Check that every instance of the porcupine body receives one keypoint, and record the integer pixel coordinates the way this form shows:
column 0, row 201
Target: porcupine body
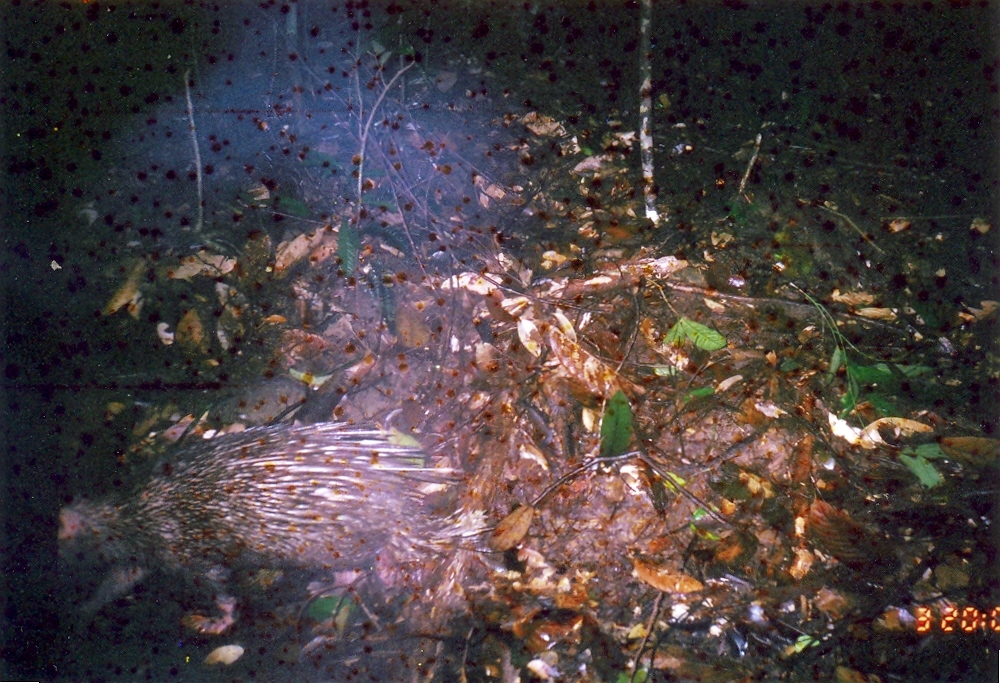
column 324, row 497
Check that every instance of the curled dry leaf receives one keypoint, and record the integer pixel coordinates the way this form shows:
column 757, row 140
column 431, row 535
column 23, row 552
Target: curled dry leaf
column 226, row 654
column 802, row 563
column 542, row 126
column 128, row 294
column 853, row 298
column 980, row 225
column 528, row 333
column 290, row 252
column 512, row 529
column 202, row 263
column 663, row 579
column 901, row 425
column 190, row 332
column 886, row 314
column 984, row 311
column 972, row 450
column 598, row 377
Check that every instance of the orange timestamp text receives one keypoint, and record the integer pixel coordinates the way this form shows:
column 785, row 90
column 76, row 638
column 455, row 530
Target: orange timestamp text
column 956, row 619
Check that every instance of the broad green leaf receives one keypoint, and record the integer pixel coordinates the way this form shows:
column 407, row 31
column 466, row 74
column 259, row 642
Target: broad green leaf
column 923, row 470
column 836, row 360
column 325, row 607
column 871, row 374
column 804, row 641
column 616, row 427
column 701, row 392
column 348, row 247
column 674, row 481
column 931, row 451
column 909, row 371
column 702, row 336
column 291, row 206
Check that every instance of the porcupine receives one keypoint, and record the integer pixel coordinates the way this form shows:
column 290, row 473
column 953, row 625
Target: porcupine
column 326, row 497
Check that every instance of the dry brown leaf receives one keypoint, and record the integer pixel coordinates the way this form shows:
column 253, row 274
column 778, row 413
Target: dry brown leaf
column 663, row 579
column 844, row 675
column 191, row 333
column 202, row 263
column 902, row 426
column 291, row 252
column 802, row 463
column 980, row 225
column 886, row 314
column 543, row 126
column 594, row 374
column 832, row 603
column 128, row 294
column 985, row 310
column 413, row 331
column 972, row 450
column 225, row 654
column 802, row 564
column 511, row 529
column 853, row 298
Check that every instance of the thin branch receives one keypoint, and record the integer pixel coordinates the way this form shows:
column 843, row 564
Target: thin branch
column 646, row 112
column 197, row 152
column 368, row 124
column 753, row 160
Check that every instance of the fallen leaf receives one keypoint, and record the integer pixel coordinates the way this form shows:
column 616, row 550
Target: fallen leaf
column 972, row 450
column 802, row 563
column 190, row 332
column 852, row 298
column 128, row 294
column 201, row 263
column 663, row 579
column 511, row 529
column 886, row 314
column 226, row 654
column 980, row 225
column 597, row 377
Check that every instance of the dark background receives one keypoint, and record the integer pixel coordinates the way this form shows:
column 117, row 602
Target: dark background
column 94, row 118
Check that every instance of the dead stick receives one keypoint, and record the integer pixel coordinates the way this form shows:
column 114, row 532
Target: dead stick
column 753, row 160
column 646, row 112
column 197, row 152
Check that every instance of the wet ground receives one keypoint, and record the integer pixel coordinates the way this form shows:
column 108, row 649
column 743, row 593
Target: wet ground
column 753, row 440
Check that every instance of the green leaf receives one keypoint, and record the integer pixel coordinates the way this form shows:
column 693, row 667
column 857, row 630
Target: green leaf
column 923, row 470
column 931, row 451
column 836, row 360
column 673, row 481
column 701, row 392
column 348, row 247
column 871, row 374
column 291, row 206
column 702, row 336
column 665, row 371
column 909, row 371
column 850, row 399
column 804, row 641
column 323, row 608
column 616, row 426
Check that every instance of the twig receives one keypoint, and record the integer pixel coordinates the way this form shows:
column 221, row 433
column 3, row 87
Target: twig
column 197, row 152
column 753, row 160
column 368, row 125
column 645, row 638
column 856, row 229
column 646, row 112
